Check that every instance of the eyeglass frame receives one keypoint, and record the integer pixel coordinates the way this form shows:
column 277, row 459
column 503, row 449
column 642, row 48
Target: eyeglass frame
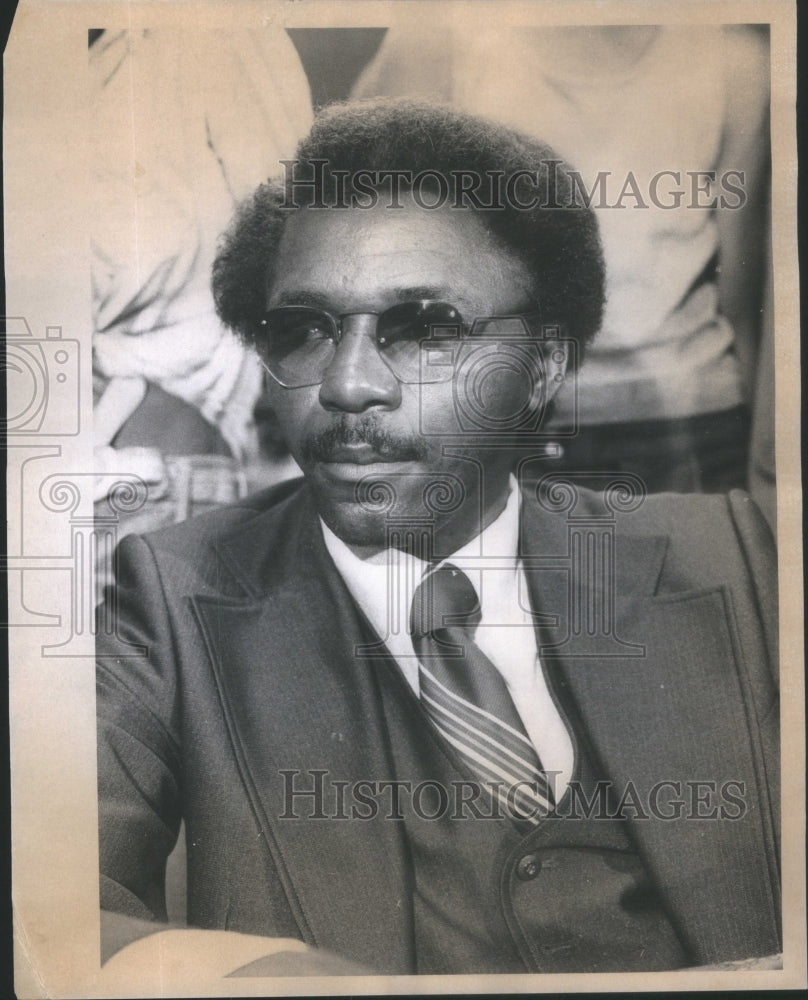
column 336, row 322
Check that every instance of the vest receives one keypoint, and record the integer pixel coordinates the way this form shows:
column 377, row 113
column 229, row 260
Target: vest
column 572, row 895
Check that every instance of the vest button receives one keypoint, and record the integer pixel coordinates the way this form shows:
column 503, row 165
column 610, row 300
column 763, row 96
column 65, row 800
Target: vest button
column 528, row 867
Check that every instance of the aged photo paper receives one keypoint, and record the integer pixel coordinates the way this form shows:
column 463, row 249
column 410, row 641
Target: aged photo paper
column 487, row 701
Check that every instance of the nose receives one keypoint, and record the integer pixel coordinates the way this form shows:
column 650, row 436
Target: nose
column 358, row 378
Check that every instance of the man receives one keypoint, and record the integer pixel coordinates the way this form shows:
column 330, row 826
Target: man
column 432, row 709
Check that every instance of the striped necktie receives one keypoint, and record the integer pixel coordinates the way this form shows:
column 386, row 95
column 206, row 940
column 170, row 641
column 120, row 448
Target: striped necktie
column 466, row 698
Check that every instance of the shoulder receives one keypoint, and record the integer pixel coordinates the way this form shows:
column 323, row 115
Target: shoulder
column 626, row 503
column 711, row 538
column 256, row 528
column 684, row 514
column 717, row 540
column 721, row 526
column 214, row 525
column 708, row 521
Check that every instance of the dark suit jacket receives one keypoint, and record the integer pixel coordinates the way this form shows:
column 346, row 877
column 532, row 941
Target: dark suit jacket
column 248, row 634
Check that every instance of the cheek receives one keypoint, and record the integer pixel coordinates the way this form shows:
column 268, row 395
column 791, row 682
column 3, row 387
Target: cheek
column 496, row 382
column 434, row 413
column 292, row 408
column 493, row 390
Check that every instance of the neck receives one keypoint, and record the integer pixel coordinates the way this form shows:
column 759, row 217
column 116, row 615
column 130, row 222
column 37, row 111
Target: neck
column 453, row 534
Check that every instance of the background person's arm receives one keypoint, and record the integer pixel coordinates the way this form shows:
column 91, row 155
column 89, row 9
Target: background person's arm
column 744, row 284
column 743, row 230
column 168, row 961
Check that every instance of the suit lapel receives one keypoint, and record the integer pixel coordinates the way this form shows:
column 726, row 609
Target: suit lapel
column 304, row 713
column 660, row 699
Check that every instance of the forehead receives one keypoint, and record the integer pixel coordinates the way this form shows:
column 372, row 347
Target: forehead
column 366, row 258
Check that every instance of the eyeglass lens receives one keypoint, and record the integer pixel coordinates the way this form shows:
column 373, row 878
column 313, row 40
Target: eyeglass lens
column 298, row 343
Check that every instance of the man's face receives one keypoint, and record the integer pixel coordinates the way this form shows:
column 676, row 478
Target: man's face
column 362, row 423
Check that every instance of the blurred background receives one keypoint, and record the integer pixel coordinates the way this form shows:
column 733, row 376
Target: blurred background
column 678, row 387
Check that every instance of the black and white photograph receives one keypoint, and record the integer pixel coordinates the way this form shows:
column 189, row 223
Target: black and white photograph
column 405, row 517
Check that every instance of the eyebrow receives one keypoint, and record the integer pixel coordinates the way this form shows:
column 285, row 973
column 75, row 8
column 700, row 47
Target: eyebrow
column 419, row 292
column 303, row 297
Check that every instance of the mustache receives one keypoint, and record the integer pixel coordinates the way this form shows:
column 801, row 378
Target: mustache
column 347, row 430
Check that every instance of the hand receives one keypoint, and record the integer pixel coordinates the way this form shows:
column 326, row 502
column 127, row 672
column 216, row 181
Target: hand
column 311, row 962
column 188, row 962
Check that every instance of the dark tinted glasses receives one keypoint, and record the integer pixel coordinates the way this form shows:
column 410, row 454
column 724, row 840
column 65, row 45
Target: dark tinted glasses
column 297, row 343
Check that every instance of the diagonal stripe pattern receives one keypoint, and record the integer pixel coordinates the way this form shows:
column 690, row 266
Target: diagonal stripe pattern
column 466, row 698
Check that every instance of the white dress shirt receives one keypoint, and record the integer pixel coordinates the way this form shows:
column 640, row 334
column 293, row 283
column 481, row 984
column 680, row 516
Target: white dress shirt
column 383, row 586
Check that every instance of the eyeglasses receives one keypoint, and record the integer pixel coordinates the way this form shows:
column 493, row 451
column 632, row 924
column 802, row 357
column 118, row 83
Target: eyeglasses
column 297, row 344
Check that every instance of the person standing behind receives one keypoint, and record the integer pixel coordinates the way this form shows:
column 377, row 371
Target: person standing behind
column 667, row 387
column 184, row 124
column 170, row 113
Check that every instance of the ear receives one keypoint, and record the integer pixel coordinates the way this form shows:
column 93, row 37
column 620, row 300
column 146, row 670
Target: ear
column 555, row 357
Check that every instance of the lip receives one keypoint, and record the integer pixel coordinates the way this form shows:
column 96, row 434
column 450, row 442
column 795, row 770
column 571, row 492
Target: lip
column 367, row 465
column 358, row 454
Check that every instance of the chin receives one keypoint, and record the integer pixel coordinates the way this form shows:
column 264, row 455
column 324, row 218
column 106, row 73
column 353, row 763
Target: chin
column 361, row 529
